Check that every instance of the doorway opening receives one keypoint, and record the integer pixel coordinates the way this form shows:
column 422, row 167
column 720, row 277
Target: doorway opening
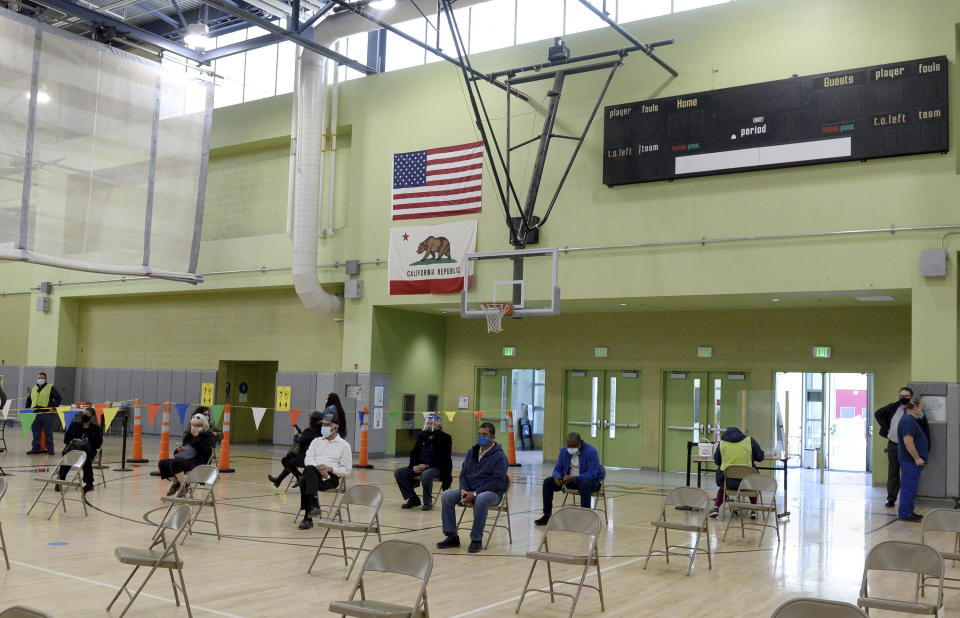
column 603, row 406
column 245, row 385
column 521, row 390
column 830, row 425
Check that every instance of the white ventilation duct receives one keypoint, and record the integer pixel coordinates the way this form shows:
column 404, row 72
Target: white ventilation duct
column 310, row 103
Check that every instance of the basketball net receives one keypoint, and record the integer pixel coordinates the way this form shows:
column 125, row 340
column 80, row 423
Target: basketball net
column 494, row 313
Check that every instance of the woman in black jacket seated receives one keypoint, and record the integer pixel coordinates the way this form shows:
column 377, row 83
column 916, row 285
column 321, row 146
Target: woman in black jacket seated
column 83, row 434
column 293, row 460
column 196, row 450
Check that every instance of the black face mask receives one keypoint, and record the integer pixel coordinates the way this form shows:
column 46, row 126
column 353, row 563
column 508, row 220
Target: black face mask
column 904, row 401
column 86, row 418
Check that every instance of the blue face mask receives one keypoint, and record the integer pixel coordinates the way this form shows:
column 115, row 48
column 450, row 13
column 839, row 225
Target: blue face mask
column 325, row 431
column 922, row 414
column 484, row 440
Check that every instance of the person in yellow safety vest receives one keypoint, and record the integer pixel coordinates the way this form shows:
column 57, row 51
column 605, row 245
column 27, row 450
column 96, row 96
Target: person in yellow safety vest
column 43, row 398
column 735, row 449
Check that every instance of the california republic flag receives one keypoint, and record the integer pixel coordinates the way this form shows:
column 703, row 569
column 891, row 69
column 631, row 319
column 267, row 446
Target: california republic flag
column 429, row 259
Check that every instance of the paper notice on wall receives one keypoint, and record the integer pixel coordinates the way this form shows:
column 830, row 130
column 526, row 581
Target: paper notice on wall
column 378, row 396
column 378, row 418
column 935, row 407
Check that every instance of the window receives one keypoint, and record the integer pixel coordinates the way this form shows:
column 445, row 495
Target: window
column 633, row 11
column 536, row 24
column 260, row 73
column 492, row 25
column 579, row 18
column 433, row 403
column 402, row 53
column 446, row 45
column 286, row 66
column 689, row 5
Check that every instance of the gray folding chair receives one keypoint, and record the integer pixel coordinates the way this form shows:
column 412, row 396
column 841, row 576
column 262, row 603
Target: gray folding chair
column 697, row 501
column 730, row 496
column 337, row 493
column 502, row 507
column 573, row 520
column 756, row 485
column 903, row 557
column 98, row 465
column 948, row 521
column 22, row 611
column 438, row 488
column 3, row 543
column 369, row 497
column 599, row 496
column 74, row 480
column 400, row 557
column 821, row 608
column 166, row 557
column 201, row 492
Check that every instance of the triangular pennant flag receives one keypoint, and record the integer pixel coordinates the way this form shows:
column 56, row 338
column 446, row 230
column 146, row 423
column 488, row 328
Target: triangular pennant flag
column 182, row 411
column 449, row 414
column 258, row 415
column 108, row 416
column 478, row 414
column 26, row 422
column 294, row 416
column 361, row 414
column 217, row 412
column 60, row 411
column 68, row 416
column 152, row 410
column 99, row 409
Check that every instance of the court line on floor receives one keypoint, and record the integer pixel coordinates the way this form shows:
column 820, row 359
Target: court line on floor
column 112, row 587
column 517, row 598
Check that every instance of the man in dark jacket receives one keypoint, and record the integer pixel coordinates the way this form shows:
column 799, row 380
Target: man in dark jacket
column 889, row 417
column 83, row 434
column 578, row 467
column 483, row 481
column 43, row 398
column 735, row 448
column 293, row 460
column 430, row 458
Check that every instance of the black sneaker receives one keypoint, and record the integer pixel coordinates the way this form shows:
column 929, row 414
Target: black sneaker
column 56, row 488
column 890, row 504
column 475, row 546
column 412, row 502
column 753, row 514
column 450, row 541
column 714, row 512
column 274, row 480
column 315, row 512
column 915, row 517
column 36, row 452
column 542, row 521
column 306, row 524
column 426, row 507
column 87, row 489
column 296, row 483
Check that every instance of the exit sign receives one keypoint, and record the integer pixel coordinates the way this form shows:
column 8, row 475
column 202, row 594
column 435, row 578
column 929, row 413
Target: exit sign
column 509, row 350
column 821, row 351
column 704, row 352
column 600, row 352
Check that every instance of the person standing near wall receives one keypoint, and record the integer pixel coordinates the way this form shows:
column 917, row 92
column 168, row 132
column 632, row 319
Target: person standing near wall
column 42, row 398
column 889, row 417
column 914, row 447
column 334, row 400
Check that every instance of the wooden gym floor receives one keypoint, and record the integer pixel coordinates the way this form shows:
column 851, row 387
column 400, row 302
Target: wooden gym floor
column 66, row 566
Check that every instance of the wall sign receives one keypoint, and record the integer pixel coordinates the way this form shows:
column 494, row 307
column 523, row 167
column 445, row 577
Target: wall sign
column 283, row 398
column 463, row 402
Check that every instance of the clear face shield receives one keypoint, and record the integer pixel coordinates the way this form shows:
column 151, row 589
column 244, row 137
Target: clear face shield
column 431, row 423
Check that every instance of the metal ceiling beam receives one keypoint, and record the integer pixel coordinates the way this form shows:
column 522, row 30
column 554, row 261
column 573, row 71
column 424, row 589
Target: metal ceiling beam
column 647, row 49
column 297, row 38
column 242, row 46
column 96, row 18
column 313, row 18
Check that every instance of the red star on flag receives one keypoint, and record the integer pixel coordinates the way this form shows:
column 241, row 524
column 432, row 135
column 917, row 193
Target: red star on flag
column 406, row 236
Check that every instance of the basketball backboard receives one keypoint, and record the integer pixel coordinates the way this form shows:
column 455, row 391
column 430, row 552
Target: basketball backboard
column 526, row 278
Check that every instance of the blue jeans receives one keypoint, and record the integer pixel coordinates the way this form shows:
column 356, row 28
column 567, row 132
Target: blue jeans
column 483, row 502
column 586, row 489
column 404, row 478
column 909, row 479
column 43, row 422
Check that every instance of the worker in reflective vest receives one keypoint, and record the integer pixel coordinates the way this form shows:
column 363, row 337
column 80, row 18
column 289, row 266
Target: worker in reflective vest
column 735, row 449
column 43, row 398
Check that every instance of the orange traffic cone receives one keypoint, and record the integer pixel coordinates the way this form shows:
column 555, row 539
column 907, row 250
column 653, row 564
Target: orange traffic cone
column 164, row 436
column 363, row 442
column 137, row 435
column 511, row 444
column 225, row 445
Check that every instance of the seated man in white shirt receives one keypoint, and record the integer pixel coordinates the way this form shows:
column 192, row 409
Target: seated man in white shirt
column 328, row 459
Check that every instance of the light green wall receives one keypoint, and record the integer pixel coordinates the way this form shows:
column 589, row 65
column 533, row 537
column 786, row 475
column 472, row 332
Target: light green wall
column 15, row 312
column 410, row 347
column 761, row 342
column 196, row 331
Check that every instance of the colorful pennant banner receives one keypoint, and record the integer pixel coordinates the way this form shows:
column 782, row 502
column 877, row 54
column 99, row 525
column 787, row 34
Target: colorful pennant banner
column 69, row 415
column 108, row 415
column 217, row 412
column 294, row 416
column 449, row 414
column 182, row 411
column 152, row 410
column 99, row 409
column 60, row 411
column 26, row 422
column 258, row 415
column 478, row 414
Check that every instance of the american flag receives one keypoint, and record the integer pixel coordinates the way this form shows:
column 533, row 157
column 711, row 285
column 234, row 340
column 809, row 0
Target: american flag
column 438, row 182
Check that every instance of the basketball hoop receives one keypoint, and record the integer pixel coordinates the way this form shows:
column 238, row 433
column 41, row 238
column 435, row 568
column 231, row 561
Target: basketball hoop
column 494, row 312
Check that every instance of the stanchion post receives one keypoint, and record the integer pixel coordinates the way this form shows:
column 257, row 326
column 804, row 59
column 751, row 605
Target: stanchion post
column 137, row 455
column 511, row 443
column 225, row 445
column 164, row 436
column 123, row 446
column 363, row 442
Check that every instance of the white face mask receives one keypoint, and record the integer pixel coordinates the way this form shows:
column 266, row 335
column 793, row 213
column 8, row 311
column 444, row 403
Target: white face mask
column 573, row 451
column 326, row 430
column 41, row 381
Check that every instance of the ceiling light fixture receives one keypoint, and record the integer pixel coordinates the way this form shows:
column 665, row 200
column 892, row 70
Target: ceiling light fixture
column 42, row 97
column 774, row 300
column 197, row 37
column 382, row 5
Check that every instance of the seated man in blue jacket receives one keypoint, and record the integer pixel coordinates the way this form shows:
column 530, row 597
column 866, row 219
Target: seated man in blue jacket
column 483, row 481
column 578, row 467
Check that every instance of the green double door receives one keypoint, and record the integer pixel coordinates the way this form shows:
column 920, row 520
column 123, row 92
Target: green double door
column 603, row 406
column 695, row 402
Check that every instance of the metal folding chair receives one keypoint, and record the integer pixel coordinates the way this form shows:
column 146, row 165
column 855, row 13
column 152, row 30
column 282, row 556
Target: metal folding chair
column 697, row 501
column 756, row 485
column 821, row 608
column 947, row 521
column 439, row 488
column 502, row 507
column 903, row 557
column 22, row 611
column 3, row 425
column 3, row 542
column 98, row 465
column 735, row 472
column 74, row 480
column 201, row 492
column 166, row 557
column 575, row 520
column 400, row 557
column 366, row 496
column 339, row 491
column 599, row 496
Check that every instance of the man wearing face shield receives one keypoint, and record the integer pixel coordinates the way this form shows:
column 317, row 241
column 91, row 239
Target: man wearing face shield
column 328, row 459
column 430, row 458
column 578, row 467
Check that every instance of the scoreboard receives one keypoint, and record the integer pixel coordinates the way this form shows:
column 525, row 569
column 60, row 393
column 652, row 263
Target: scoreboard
column 880, row 111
